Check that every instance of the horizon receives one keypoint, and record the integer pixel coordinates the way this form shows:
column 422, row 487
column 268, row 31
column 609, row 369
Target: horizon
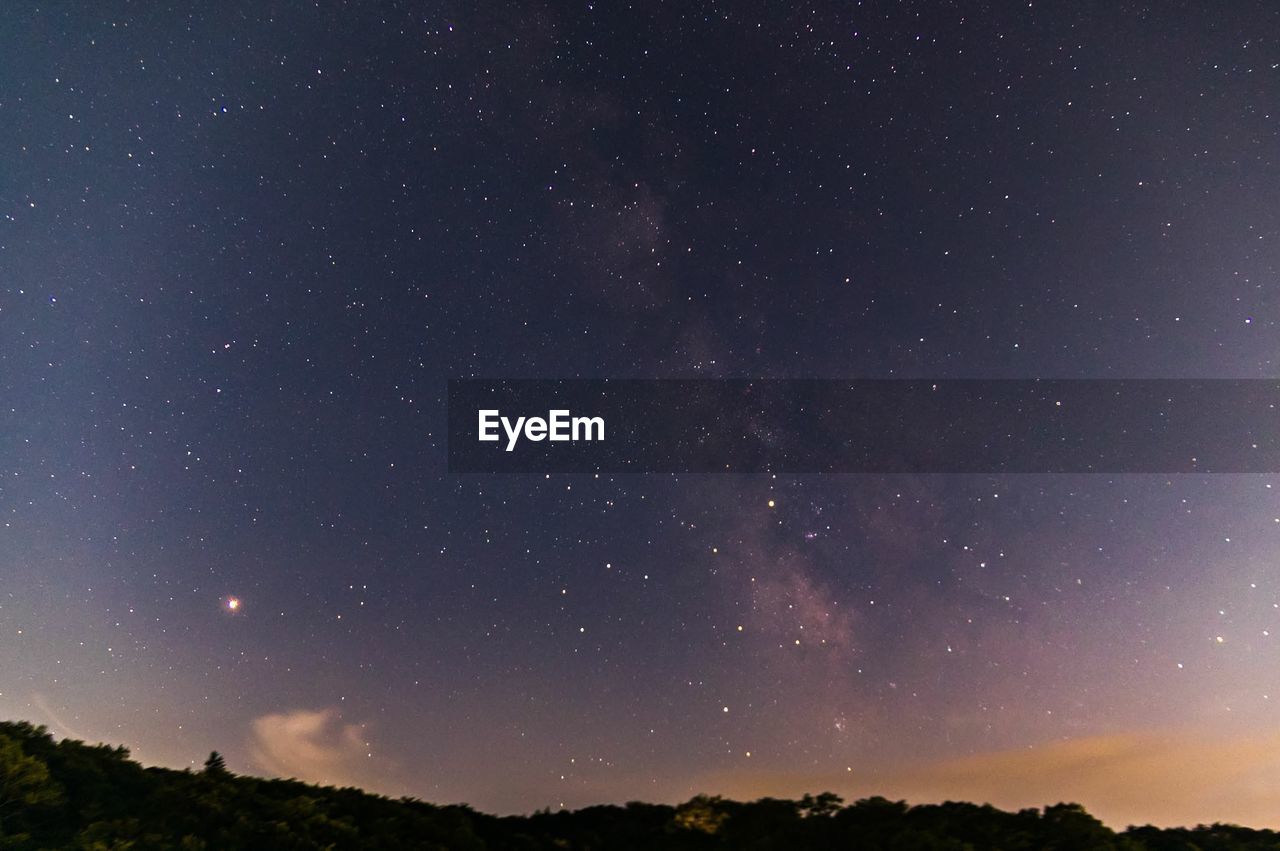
column 1157, row 799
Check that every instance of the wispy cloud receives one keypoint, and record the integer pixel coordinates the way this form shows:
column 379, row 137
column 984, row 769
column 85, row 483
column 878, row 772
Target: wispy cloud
column 314, row 745
column 54, row 720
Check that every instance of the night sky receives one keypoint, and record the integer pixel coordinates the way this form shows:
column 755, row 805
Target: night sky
column 243, row 249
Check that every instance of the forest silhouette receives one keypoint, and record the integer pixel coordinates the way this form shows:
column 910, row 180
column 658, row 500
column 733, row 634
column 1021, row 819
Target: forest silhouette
column 68, row 794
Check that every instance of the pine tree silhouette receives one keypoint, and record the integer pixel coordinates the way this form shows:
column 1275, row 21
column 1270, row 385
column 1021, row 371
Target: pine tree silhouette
column 215, row 764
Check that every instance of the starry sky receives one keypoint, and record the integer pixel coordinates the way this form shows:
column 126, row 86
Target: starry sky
column 244, row 248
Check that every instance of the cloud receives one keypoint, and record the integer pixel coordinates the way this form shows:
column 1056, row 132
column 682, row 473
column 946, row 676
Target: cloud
column 65, row 730
column 1129, row 778
column 311, row 745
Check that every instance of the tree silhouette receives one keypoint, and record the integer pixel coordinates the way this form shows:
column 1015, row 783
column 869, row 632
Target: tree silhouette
column 215, row 764
column 25, row 783
column 703, row 814
column 67, row 794
column 825, row 804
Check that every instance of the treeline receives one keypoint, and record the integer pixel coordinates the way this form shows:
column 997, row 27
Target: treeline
column 67, row 794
